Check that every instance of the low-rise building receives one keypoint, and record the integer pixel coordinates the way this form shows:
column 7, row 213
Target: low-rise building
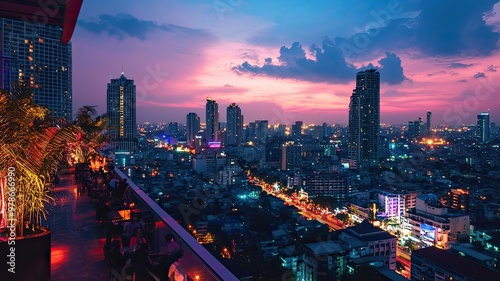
column 432, row 263
column 365, row 239
column 434, row 224
column 322, row 261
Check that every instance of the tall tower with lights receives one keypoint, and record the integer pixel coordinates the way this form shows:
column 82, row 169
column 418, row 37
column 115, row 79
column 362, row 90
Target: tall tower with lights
column 122, row 118
column 234, row 129
column 212, row 120
column 364, row 119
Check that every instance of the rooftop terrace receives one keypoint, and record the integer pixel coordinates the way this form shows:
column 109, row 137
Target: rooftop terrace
column 78, row 238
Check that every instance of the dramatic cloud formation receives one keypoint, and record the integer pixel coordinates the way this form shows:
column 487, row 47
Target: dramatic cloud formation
column 440, row 28
column 126, row 25
column 326, row 65
column 428, row 53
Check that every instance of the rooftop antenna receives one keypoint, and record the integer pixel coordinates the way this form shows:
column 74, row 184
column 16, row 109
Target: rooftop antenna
column 122, row 69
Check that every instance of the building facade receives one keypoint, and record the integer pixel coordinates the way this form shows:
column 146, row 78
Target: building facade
column 297, row 130
column 434, row 264
column 392, row 204
column 192, row 128
column 364, row 119
column 428, row 128
column 365, row 240
column 327, row 184
column 483, row 127
column 322, row 261
column 234, row 128
column 291, row 156
column 121, row 114
column 212, row 121
column 458, row 199
column 434, row 224
column 38, row 54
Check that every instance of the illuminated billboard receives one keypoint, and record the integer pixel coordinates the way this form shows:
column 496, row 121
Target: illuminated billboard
column 214, row 144
column 427, row 233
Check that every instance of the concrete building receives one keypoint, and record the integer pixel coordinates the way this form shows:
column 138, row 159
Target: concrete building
column 212, row 121
column 35, row 50
column 326, row 184
column 192, row 128
column 322, row 261
column 122, row 119
column 208, row 163
column 291, row 156
column 365, row 239
column 364, row 119
column 234, row 128
column 458, row 199
column 434, row 264
column 392, row 204
column 434, row 224
column 483, row 127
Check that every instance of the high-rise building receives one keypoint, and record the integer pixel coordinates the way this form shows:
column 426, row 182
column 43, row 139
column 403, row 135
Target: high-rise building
column 250, row 131
column 234, row 127
column 428, row 129
column 173, row 129
column 364, row 119
column 262, row 131
column 297, row 130
column 192, row 127
column 291, row 155
column 35, row 51
column 414, row 128
column 212, row 120
column 483, row 127
column 121, row 113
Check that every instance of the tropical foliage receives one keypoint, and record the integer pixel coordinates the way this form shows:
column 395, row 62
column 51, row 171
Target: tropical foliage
column 92, row 138
column 31, row 145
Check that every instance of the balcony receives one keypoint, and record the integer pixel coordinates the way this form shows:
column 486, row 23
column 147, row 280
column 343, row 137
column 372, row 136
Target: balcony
column 198, row 263
column 78, row 238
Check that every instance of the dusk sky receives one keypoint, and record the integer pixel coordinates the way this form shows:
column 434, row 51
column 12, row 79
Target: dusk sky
column 291, row 60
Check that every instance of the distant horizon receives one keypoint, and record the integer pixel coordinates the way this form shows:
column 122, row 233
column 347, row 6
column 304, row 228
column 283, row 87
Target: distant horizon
column 296, row 67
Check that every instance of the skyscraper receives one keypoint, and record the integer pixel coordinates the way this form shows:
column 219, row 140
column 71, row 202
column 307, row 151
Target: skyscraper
column 297, row 130
column 262, row 131
column 121, row 113
column 428, row 124
column 35, row 50
column 212, row 120
column 483, row 127
column 364, row 119
column 192, row 127
column 234, row 126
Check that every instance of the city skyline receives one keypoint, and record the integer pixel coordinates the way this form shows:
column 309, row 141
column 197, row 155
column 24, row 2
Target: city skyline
column 296, row 68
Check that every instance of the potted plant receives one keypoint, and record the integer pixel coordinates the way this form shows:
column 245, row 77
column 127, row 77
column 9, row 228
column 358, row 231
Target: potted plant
column 32, row 145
